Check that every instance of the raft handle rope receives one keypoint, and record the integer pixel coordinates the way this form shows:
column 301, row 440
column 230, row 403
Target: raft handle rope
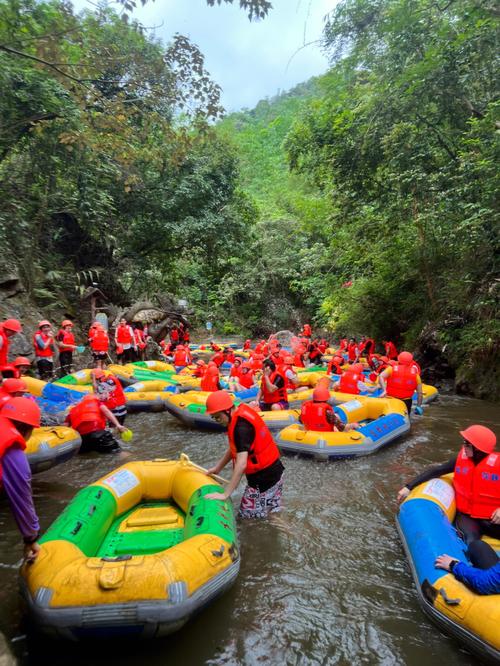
column 118, row 558
column 218, row 553
column 448, row 601
column 185, row 458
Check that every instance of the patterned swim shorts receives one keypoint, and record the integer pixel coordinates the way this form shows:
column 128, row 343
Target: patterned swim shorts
column 257, row 504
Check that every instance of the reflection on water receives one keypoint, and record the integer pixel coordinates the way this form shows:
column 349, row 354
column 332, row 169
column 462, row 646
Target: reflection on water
column 324, row 582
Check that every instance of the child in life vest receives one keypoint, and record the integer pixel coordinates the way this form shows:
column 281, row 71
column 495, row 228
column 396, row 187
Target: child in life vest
column 318, row 415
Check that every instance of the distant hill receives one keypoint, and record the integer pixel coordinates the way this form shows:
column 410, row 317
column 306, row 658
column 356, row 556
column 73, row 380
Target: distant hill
column 259, row 134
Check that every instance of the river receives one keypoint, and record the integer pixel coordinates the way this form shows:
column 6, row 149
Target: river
column 324, row 582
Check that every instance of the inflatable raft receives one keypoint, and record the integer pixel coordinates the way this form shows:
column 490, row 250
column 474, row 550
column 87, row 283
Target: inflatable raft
column 48, row 447
column 425, row 525
column 137, row 553
column 146, row 401
column 382, row 421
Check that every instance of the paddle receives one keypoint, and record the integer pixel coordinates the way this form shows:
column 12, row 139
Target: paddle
column 185, row 458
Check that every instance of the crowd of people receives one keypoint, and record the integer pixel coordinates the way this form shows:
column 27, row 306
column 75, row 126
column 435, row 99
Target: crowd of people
column 271, row 370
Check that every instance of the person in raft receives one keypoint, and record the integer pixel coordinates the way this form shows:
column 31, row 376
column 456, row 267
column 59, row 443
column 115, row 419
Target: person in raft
column 352, row 381
column 402, row 380
column 18, row 417
column 253, row 452
column 483, row 576
column 272, row 393
column 318, row 415
column 476, row 481
column 89, row 418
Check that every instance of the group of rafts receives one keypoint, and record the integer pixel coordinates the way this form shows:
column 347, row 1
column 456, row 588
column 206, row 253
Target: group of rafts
column 144, row 551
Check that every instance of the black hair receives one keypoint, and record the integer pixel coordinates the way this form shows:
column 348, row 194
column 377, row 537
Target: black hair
column 269, row 364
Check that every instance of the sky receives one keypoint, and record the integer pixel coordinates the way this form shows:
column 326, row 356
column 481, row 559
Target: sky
column 249, row 60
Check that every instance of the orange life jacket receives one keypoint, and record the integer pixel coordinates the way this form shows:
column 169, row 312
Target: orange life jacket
column 351, row 351
column 181, row 357
column 477, row 487
column 314, row 416
column 335, row 368
column 124, row 334
column 9, row 436
column 210, row 381
column 402, row 382
column 270, row 397
column 42, row 353
column 349, row 382
column 99, row 342
column 263, row 450
column 65, row 338
column 4, row 351
column 117, row 396
column 86, row 416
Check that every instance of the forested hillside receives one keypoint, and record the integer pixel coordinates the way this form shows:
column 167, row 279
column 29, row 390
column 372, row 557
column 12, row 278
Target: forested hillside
column 400, row 139
column 364, row 200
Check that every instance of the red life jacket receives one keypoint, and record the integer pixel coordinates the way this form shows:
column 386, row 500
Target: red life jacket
column 5, row 396
column 343, row 344
column 246, row 379
column 210, row 381
column 349, row 382
column 139, row 338
column 4, row 351
column 246, row 345
column 199, row 371
column 270, row 397
column 256, row 361
column 187, row 335
column 263, row 450
column 43, row 353
column 65, row 338
column 298, row 361
column 181, row 357
column 99, row 342
column 322, row 346
column 235, row 371
column 402, row 382
column 351, row 351
column 334, row 367
column 218, row 358
column 86, row 416
column 390, row 350
column 174, row 335
column 9, row 436
column 306, row 330
column 230, row 356
column 314, row 416
column 477, row 487
column 124, row 334
column 117, row 396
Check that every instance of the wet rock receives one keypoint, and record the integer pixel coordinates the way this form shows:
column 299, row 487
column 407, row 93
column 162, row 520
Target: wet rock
column 6, row 657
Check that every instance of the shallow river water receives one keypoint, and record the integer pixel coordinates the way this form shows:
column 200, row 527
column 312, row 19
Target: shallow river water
column 324, row 582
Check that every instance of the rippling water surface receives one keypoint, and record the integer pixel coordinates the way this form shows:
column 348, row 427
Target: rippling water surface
column 324, row 582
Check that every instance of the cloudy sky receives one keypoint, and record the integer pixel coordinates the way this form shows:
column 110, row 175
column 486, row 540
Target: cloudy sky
column 250, row 60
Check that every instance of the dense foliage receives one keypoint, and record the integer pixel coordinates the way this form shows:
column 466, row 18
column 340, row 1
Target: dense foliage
column 109, row 169
column 363, row 199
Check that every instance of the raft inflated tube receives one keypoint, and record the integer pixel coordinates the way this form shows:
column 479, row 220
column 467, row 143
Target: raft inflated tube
column 151, row 385
column 143, row 549
column 382, row 421
column 190, row 409
column 52, row 446
column 146, row 401
column 425, row 525
column 156, row 366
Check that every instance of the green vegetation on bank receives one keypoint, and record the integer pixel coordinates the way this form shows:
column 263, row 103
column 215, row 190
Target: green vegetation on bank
column 363, row 199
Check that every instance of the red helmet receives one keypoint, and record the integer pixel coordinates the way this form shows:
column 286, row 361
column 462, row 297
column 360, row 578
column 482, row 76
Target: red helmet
column 98, row 373
column 321, row 394
column 66, row 322
column 44, row 322
column 12, row 325
column 219, row 401
column 23, row 410
column 405, row 358
column 21, row 360
column 12, row 385
column 357, row 368
column 288, row 360
column 479, row 436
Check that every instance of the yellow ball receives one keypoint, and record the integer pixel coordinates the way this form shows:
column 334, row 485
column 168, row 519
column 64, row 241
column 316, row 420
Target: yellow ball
column 127, row 435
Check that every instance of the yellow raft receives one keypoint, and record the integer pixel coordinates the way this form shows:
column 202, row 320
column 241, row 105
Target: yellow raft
column 425, row 524
column 137, row 553
column 382, row 420
column 48, row 447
